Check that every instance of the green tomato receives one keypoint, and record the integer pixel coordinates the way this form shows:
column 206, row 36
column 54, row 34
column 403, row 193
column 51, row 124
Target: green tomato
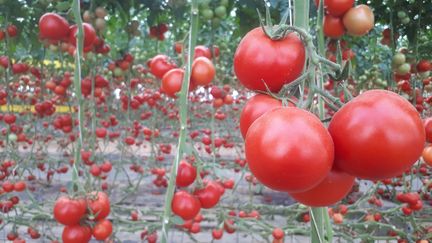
column 204, row 3
column 224, row 3
column 398, row 59
column 207, row 14
column 403, row 69
column 424, row 75
column 405, row 20
column 12, row 137
column 118, row 72
column 220, row 11
column 401, row 14
column 216, row 22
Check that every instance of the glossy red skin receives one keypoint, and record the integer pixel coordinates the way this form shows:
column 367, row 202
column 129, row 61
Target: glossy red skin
column 102, row 229
column 333, row 27
column 53, row 26
column 76, row 234
column 185, row 205
column 186, row 174
column 172, row 82
column 259, row 58
column 203, row 71
column 255, row 108
column 288, row 149
column 377, row 135
column 160, row 65
column 331, row 190
column 89, row 35
column 428, row 129
column 69, row 211
column 337, row 8
column 209, row 195
column 100, row 206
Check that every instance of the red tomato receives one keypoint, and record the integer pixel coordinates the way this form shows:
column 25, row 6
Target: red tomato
column 76, row 234
column 186, row 174
column 259, row 58
column 102, row 229
column 292, row 133
column 185, row 205
column 20, row 186
column 12, row 30
column 389, row 135
column 331, row 190
column 359, row 20
column 337, row 8
column 209, row 195
column 426, row 154
column 424, row 66
column 203, row 71
column 333, row 27
column 99, row 204
column 89, row 34
column 53, row 26
column 255, row 108
column 217, row 234
column 172, row 82
column 202, row 51
column 160, row 65
column 278, row 233
column 428, row 129
column 69, row 211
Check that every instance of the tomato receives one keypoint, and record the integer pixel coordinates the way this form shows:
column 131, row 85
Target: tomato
column 426, row 154
column 209, row 195
column 255, row 108
column 331, row 190
column 333, row 27
column 185, row 205
column 217, row 234
column 424, row 66
column 20, row 186
column 337, row 8
column 53, row 26
column 102, row 229
column 172, row 82
column 359, row 20
column 12, row 30
column 99, row 204
column 2, row 35
column 203, row 71
column 428, row 129
column 89, row 34
column 76, row 234
column 292, row 133
column 278, row 233
column 186, row 174
column 202, row 51
column 259, row 58
column 69, row 211
column 389, row 135
column 160, row 65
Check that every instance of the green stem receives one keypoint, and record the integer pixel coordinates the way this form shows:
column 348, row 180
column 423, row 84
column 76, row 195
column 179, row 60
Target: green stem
column 183, row 102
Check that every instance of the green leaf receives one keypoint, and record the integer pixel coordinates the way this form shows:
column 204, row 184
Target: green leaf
column 177, row 220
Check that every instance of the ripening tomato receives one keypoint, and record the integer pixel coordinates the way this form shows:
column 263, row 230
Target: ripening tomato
column 160, row 65
column 203, row 71
column 172, row 82
column 102, row 229
column 69, row 211
column 89, row 34
column 428, row 129
column 289, row 149
column 76, row 234
column 331, row 190
column 259, row 59
column 359, row 20
column 427, row 155
column 337, row 8
column 53, row 26
column 333, row 27
column 255, row 108
column 186, row 174
column 185, row 205
column 389, row 135
column 99, row 204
